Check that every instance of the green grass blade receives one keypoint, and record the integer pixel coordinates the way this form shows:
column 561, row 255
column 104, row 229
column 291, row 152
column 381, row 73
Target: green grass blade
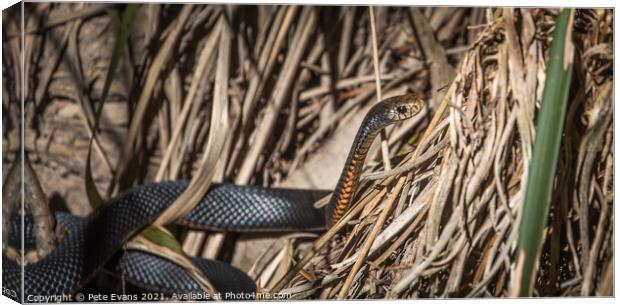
column 159, row 237
column 94, row 197
column 545, row 153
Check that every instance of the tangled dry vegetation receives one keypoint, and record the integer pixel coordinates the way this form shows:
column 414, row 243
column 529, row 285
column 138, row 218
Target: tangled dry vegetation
column 452, row 222
column 293, row 83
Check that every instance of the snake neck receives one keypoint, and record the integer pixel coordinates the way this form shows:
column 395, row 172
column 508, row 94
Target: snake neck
column 349, row 178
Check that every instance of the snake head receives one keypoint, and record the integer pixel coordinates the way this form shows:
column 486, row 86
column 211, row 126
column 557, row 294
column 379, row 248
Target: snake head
column 399, row 108
column 390, row 111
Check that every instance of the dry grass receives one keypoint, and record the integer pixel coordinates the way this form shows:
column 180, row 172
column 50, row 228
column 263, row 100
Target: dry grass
column 442, row 223
column 455, row 233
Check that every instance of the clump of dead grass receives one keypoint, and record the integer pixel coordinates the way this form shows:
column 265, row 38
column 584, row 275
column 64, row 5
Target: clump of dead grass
column 452, row 220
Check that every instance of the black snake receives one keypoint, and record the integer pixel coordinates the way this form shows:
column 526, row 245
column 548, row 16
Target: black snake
column 88, row 244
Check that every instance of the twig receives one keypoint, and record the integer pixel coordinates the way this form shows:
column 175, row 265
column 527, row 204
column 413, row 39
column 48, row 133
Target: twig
column 385, row 150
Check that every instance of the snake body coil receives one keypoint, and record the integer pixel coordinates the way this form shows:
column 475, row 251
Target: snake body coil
column 88, row 244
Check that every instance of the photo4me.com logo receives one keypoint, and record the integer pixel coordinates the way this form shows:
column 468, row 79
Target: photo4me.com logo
column 264, row 295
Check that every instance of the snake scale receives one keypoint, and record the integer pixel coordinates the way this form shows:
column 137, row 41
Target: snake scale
column 90, row 243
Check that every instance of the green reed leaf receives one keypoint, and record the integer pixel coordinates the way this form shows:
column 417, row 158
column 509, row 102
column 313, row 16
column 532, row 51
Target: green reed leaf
column 545, row 153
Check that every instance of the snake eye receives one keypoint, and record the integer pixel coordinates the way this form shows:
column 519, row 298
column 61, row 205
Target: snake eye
column 401, row 109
